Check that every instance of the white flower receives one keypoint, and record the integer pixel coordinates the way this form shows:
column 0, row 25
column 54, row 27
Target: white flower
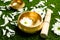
column 4, row 31
column 26, row 21
column 10, row 30
column 56, row 28
column 10, row 19
column 8, row 33
column 30, row 0
column 3, row 17
column 5, row 1
column 13, row 14
column 2, row 8
column 57, row 19
column 52, row 5
column 59, row 12
column 46, row 0
column 13, row 23
column 41, row 3
column 25, row 8
column 39, row 11
column 6, row 21
column 21, row 10
column 8, row 7
column 0, row 13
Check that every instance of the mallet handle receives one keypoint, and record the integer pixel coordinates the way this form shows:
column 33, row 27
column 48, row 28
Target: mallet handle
column 44, row 31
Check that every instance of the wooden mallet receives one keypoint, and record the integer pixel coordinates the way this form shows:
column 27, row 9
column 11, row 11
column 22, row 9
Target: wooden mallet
column 45, row 28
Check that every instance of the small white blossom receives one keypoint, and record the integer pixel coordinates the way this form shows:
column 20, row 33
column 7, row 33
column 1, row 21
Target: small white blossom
column 8, row 7
column 5, row 1
column 30, row 0
column 59, row 12
column 6, row 21
column 10, row 34
column 14, row 23
column 10, row 30
column 56, row 28
column 0, row 13
column 52, row 5
column 2, row 8
column 3, row 16
column 4, row 31
column 44, row 7
column 25, row 8
column 57, row 19
column 13, row 14
column 39, row 11
column 10, row 19
column 41, row 3
column 46, row 0
column 31, row 7
column 26, row 21
column 21, row 10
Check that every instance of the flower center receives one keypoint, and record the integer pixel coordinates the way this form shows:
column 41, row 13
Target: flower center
column 58, row 28
column 25, row 22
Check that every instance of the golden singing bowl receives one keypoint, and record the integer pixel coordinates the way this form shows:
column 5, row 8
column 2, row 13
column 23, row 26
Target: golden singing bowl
column 17, row 4
column 37, row 22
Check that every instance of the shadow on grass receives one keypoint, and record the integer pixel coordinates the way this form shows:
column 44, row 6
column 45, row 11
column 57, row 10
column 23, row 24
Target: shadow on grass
column 24, row 35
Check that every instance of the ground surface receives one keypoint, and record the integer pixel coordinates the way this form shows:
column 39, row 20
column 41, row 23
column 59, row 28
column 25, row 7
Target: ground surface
column 23, row 36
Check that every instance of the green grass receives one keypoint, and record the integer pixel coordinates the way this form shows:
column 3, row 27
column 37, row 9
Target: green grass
column 24, row 36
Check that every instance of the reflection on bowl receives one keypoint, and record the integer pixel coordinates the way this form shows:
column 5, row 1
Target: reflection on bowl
column 33, row 23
